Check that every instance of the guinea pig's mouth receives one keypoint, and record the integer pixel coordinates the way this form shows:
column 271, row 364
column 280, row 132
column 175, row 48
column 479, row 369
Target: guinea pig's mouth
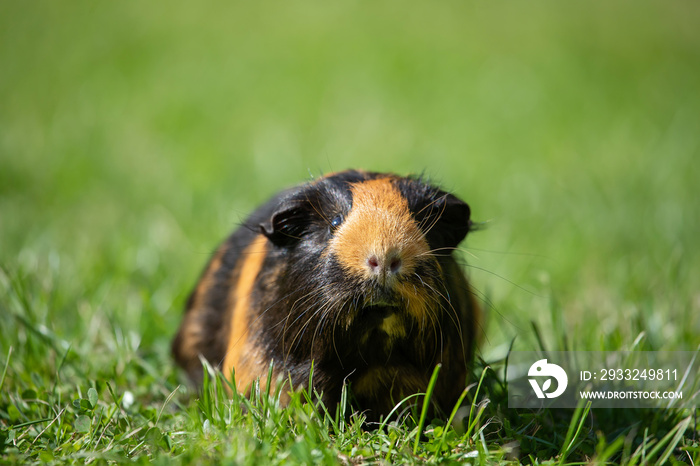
column 378, row 311
column 373, row 315
column 379, row 321
column 377, row 306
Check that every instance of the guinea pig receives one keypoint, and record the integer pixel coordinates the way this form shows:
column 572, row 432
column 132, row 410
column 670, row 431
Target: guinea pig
column 352, row 273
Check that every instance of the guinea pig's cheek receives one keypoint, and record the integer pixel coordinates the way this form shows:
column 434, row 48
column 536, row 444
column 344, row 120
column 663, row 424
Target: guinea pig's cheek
column 417, row 300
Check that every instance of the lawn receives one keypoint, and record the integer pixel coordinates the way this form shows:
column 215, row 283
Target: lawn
column 134, row 137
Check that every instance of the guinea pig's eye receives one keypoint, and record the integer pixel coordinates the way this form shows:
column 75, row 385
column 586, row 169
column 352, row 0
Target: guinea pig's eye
column 336, row 221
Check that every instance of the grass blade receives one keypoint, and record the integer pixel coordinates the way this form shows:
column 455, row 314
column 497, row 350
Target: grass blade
column 426, row 404
column 672, row 438
column 576, row 423
column 7, row 364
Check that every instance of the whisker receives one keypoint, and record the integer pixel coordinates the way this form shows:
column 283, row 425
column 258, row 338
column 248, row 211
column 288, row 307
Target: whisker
column 301, row 331
column 502, row 278
column 252, row 324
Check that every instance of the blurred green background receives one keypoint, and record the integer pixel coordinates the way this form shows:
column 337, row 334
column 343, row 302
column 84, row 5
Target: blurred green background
column 135, row 136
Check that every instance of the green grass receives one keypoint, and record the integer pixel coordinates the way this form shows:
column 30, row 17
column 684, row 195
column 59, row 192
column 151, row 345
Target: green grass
column 134, row 137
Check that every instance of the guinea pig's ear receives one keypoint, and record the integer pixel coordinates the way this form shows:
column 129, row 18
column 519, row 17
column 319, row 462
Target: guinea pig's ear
column 453, row 224
column 287, row 224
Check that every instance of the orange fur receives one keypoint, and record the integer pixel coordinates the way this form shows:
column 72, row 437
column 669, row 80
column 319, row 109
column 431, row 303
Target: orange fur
column 380, row 223
column 191, row 331
column 242, row 355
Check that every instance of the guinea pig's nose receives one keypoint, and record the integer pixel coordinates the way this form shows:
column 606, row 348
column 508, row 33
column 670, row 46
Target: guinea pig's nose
column 384, row 265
